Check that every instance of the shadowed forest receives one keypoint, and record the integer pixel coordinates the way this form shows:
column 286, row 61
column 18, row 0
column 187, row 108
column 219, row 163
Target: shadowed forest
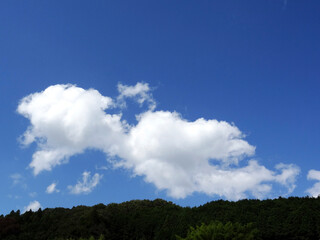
column 292, row 218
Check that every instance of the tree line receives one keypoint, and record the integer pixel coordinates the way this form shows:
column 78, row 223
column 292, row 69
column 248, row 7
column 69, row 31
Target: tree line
column 282, row 218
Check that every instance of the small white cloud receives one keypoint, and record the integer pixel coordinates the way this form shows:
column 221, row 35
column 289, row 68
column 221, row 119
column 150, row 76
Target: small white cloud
column 313, row 175
column 33, row 206
column 314, row 191
column 140, row 92
column 52, row 188
column 288, row 175
column 87, row 184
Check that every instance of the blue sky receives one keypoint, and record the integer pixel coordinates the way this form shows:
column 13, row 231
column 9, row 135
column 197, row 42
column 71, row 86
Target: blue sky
column 206, row 100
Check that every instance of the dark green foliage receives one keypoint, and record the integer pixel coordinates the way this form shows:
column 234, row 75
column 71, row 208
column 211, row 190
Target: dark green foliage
column 292, row 218
column 219, row 231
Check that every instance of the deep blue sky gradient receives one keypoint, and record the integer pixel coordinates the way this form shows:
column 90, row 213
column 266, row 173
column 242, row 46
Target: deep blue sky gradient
column 254, row 63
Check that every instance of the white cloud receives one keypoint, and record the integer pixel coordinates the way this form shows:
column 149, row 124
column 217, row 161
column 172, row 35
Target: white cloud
column 52, row 188
column 314, row 175
column 201, row 156
column 66, row 120
column 288, row 175
column 33, row 206
column 140, row 92
column 87, row 184
column 174, row 154
column 315, row 189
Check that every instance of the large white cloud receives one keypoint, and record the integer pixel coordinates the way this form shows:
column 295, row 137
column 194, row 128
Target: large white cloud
column 173, row 153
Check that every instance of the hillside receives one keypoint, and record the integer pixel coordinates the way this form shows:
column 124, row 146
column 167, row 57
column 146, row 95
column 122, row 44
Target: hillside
column 292, row 218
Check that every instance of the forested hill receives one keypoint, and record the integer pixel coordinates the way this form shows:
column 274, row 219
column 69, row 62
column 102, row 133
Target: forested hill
column 292, row 218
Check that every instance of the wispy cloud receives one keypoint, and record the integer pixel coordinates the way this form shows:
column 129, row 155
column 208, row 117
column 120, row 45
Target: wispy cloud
column 87, row 184
column 174, row 154
column 101, row 168
column 13, row 196
column 16, row 178
column 19, row 180
column 33, row 194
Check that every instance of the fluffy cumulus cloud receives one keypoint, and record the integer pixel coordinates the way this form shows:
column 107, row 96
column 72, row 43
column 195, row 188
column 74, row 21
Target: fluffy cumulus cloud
column 174, row 154
column 66, row 120
column 315, row 189
column 87, row 184
column 33, row 206
column 52, row 188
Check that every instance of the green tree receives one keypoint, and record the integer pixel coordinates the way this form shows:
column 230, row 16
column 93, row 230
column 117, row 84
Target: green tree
column 219, row 231
column 101, row 237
